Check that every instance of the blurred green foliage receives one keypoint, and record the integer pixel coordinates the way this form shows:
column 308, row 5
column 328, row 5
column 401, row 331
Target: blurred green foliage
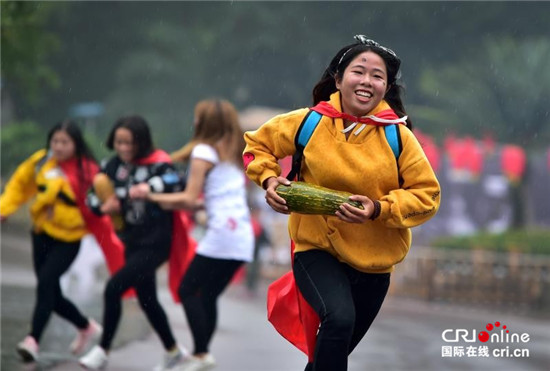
column 18, row 142
column 533, row 241
column 503, row 90
column 468, row 67
column 26, row 47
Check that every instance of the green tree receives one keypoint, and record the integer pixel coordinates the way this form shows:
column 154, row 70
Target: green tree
column 158, row 58
column 504, row 90
column 26, row 47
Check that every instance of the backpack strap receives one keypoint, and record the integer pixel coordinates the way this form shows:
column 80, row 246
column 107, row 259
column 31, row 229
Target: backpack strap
column 394, row 139
column 306, row 129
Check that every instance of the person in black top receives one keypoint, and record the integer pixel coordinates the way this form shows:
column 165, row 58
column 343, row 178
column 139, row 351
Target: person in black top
column 146, row 232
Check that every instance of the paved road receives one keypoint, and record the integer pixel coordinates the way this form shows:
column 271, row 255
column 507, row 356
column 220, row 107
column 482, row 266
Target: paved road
column 407, row 335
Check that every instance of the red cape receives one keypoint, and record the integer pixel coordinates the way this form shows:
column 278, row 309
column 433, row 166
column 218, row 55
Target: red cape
column 183, row 245
column 290, row 313
column 100, row 226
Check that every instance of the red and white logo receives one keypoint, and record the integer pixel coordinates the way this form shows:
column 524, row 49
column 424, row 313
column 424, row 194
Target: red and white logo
column 495, row 333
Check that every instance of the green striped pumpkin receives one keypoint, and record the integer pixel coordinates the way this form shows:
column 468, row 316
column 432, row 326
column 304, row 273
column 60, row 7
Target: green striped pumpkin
column 304, row 198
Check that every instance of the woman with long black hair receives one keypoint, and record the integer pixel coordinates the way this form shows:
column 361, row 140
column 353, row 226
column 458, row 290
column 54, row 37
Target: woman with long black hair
column 57, row 178
column 342, row 262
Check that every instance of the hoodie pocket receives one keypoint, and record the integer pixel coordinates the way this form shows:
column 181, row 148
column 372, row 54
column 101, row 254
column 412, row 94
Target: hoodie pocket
column 366, row 249
column 309, row 229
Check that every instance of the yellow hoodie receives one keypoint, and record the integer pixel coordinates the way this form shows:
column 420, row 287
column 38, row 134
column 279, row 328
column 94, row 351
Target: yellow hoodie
column 49, row 213
column 361, row 164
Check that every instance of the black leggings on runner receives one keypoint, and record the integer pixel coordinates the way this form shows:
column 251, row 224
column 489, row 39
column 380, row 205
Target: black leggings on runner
column 52, row 258
column 346, row 300
column 139, row 273
column 205, row 280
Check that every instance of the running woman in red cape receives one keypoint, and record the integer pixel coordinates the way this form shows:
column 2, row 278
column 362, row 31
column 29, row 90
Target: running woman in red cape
column 151, row 235
column 342, row 263
column 57, row 178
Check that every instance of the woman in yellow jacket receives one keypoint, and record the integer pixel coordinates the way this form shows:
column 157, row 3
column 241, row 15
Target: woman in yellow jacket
column 57, row 178
column 342, row 263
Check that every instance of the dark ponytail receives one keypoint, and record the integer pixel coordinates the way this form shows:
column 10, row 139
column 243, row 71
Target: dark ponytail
column 393, row 97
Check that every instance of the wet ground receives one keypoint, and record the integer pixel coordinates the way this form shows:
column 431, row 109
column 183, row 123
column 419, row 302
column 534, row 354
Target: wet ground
column 407, row 335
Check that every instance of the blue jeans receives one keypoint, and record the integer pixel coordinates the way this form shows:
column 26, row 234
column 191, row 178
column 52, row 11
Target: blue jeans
column 346, row 300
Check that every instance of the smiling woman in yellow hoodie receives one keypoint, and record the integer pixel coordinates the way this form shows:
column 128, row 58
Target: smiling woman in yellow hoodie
column 342, row 263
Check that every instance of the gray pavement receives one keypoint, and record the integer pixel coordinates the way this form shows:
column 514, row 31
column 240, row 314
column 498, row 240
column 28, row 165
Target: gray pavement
column 407, row 335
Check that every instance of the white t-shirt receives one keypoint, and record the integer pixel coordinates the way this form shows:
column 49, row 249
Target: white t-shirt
column 229, row 233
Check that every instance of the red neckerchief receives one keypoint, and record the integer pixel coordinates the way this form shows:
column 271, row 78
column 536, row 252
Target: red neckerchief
column 325, row 108
column 183, row 245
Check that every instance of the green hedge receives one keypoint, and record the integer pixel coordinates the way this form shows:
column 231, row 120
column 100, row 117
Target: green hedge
column 534, row 241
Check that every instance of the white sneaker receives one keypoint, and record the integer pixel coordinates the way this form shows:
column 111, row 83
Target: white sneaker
column 96, row 359
column 198, row 364
column 84, row 337
column 172, row 360
column 28, row 349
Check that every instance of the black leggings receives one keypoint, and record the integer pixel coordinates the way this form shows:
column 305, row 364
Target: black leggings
column 346, row 300
column 52, row 258
column 138, row 272
column 205, row 280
